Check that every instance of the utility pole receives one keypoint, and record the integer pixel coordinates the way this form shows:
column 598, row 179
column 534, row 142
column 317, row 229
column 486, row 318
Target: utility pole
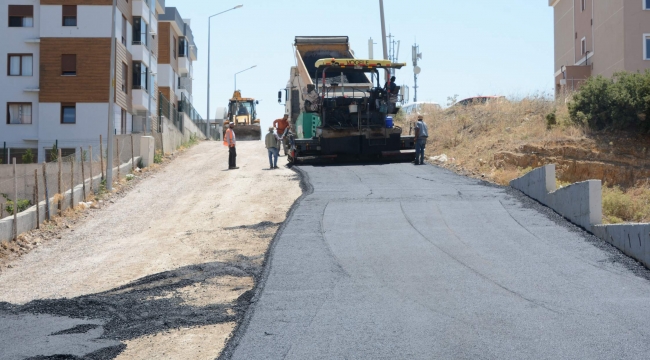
column 111, row 100
column 383, row 33
column 371, row 49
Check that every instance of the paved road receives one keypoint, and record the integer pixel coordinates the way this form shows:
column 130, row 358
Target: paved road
column 404, row 262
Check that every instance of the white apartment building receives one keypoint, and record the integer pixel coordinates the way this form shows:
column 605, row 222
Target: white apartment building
column 57, row 58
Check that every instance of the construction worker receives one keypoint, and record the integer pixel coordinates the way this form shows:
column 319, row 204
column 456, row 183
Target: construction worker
column 282, row 125
column 230, row 141
column 390, row 86
column 273, row 146
column 421, row 136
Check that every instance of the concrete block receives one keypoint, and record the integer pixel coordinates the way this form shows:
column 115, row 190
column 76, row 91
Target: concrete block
column 581, row 203
column 147, row 150
column 631, row 239
column 537, row 183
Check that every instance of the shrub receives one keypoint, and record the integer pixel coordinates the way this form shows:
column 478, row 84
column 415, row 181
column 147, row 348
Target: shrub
column 23, row 204
column 158, row 157
column 620, row 103
column 28, row 157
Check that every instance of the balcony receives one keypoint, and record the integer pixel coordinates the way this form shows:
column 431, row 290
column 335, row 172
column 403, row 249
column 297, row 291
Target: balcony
column 140, row 99
column 140, row 8
column 183, row 94
column 140, row 53
column 184, row 65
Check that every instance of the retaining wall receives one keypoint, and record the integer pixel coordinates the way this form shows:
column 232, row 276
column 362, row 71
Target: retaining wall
column 581, row 203
column 631, row 239
column 27, row 219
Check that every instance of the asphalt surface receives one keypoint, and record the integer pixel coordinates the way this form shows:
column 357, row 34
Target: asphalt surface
column 414, row 262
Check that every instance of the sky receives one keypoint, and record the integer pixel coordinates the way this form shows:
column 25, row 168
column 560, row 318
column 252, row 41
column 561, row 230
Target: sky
column 469, row 47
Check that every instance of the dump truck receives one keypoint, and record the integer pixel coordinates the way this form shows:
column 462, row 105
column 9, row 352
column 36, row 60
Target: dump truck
column 242, row 111
column 337, row 107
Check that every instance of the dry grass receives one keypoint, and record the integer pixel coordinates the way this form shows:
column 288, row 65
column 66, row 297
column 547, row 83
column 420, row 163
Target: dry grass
column 631, row 205
column 470, row 136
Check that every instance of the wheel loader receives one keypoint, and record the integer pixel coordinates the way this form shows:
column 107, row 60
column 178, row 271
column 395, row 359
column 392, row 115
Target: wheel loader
column 242, row 112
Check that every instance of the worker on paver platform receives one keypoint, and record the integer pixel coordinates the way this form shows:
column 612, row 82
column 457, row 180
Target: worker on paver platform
column 230, row 140
column 390, row 86
column 273, row 141
column 421, row 136
column 282, row 125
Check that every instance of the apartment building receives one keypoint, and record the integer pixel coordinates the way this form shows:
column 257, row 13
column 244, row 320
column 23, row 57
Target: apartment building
column 599, row 37
column 177, row 52
column 57, row 55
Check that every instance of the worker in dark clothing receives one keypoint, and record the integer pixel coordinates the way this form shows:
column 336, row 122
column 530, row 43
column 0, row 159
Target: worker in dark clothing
column 390, row 86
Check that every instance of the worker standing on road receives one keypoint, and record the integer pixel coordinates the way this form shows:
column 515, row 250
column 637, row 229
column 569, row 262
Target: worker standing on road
column 421, row 136
column 230, row 141
column 281, row 125
column 273, row 146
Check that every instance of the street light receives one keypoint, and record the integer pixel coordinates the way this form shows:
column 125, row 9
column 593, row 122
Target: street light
column 240, row 73
column 207, row 128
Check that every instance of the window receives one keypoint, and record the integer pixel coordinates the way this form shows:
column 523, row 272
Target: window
column 123, row 122
column 583, row 46
column 174, row 47
column 646, row 46
column 125, row 78
column 68, row 114
column 140, row 76
column 139, row 31
column 584, row 5
column 19, row 113
column 68, row 65
column 21, row 15
column 19, row 65
column 646, row 4
column 123, row 30
column 69, row 15
column 183, row 47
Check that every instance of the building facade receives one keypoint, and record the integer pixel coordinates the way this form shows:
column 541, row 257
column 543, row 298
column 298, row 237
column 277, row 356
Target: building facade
column 599, row 37
column 57, row 56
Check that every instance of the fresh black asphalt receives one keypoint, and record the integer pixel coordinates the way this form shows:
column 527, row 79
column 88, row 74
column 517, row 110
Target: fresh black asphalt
column 414, row 262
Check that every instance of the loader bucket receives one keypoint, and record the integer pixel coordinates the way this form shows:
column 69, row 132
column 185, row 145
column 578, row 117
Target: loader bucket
column 248, row 132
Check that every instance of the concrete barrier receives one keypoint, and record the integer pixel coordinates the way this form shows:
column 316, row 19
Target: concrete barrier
column 631, row 239
column 537, row 184
column 27, row 219
column 581, row 203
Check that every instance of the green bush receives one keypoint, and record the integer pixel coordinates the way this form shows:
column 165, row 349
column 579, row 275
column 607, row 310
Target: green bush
column 23, row 204
column 28, row 157
column 158, row 157
column 619, row 103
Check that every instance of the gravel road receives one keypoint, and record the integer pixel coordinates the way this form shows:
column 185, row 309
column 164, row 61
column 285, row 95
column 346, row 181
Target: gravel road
column 164, row 272
column 404, row 262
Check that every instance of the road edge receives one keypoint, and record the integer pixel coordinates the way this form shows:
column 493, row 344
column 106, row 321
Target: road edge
column 242, row 326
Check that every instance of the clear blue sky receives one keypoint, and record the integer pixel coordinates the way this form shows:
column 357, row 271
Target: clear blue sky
column 470, row 47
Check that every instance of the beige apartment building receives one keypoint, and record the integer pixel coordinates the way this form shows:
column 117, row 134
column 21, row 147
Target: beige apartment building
column 599, row 37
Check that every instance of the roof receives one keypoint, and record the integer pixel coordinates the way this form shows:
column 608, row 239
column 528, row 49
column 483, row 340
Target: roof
column 359, row 63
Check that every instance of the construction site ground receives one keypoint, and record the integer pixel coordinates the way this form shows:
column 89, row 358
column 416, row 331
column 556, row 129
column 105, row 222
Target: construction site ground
column 165, row 271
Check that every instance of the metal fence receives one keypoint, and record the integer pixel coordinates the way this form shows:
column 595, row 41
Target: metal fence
column 168, row 110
